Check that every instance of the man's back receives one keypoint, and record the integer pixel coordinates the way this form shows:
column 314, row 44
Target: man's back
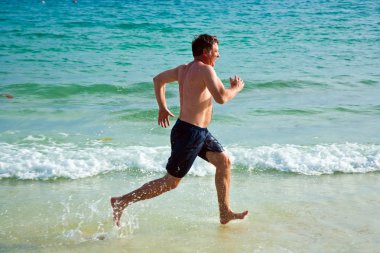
column 195, row 98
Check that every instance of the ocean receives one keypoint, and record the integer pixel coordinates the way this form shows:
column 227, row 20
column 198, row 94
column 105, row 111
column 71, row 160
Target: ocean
column 81, row 125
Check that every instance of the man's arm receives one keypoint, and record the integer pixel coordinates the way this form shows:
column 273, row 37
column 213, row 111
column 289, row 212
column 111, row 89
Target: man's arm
column 160, row 81
column 220, row 94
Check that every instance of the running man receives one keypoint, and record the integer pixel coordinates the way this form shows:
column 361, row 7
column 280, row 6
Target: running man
column 198, row 86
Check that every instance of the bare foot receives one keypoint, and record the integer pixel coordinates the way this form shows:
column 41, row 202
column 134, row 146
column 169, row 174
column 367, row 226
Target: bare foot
column 117, row 208
column 229, row 216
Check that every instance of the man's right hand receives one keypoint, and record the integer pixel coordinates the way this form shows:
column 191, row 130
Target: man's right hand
column 237, row 83
column 163, row 117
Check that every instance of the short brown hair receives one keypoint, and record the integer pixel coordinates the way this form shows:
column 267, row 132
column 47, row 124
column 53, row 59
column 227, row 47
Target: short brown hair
column 203, row 41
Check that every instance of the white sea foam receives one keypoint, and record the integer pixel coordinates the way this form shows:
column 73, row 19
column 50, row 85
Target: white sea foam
column 311, row 160
column 36, row 161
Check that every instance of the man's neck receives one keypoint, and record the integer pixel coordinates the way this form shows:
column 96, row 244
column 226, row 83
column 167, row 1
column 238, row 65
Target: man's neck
column 201, row 59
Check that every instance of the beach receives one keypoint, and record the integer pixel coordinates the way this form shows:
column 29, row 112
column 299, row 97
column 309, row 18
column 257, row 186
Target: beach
column 80, row 126
column 288, row 213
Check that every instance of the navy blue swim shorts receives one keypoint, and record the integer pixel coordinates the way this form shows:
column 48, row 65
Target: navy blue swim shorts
column 187, row 142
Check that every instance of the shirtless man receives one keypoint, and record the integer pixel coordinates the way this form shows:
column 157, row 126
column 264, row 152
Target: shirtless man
column 198, row 85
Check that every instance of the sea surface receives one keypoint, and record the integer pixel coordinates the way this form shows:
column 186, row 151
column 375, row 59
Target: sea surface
column 81, row 125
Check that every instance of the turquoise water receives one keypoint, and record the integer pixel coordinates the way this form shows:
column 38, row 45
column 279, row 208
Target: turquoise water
column 84, row 113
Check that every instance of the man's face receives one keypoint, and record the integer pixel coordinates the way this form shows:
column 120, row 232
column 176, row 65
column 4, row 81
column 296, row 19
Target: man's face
column 212, row 55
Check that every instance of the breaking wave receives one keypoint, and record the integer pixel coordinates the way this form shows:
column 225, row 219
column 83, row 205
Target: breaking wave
column 52, row 161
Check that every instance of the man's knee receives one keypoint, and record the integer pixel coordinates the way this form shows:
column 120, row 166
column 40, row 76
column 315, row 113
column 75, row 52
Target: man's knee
column 220, row 160
column 172, row 182
column 225, row 161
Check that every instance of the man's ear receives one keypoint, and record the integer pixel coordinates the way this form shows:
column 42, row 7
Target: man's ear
column 206, row 52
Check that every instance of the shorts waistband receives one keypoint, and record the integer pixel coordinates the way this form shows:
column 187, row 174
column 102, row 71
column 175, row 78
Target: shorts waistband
column 184, row 123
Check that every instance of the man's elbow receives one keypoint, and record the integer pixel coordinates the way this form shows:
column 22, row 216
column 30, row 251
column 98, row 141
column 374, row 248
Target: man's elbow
column 220, row 100
column 156, row 79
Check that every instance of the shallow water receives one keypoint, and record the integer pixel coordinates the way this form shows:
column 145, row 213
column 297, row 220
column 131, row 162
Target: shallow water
column 303, row 134
column 288, row 213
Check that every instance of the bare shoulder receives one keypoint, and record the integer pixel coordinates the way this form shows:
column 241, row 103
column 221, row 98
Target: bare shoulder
column 170, row 75
column 182, row 67
column 201, row 68
column 206, row 71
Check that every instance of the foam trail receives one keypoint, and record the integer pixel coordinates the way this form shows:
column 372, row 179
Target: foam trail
column 37, row 161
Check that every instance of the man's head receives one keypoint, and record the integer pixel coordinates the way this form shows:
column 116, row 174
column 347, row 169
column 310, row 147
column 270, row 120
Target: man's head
column 206, row 47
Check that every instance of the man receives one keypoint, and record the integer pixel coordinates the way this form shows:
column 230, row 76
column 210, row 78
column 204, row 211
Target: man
column 198, row 85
